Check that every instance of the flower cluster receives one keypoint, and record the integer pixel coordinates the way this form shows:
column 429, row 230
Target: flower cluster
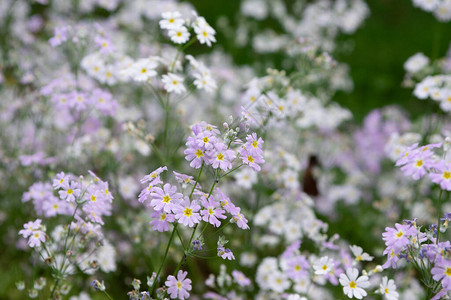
column 419, row 161
column 438, row 88
column 440, row 8
column 422, row 249
column 207, row 147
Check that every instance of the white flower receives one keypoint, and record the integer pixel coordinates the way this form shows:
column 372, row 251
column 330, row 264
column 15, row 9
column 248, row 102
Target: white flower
column 422, row 89
column 179, row 35
column 353, row 285
column 388, row 289
column 416, row 62
column 278, row 282
column 204, row 32
column 359, row 254
column 171, row 20
column 323, row 265
column 173, row 83
column 445, row 101
column 204, row 82
column 142, row 70
column 245, row 178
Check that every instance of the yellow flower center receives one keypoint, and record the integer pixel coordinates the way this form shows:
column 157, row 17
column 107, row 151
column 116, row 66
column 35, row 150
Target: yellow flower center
column 205, row 140
column 399, row 234
column 298, row 268
column 358, row 258
column 448, row 271
column 220, row 156
column 352, row 285
column 174, row 82
column 324, row 267
column 143, row 70
column 166, row 199
column 199, row 153
column 93, row 198
column 250, row 159
column 179, row 34
column 211, row 211
column 69, row 191
column 447, row 175
column 386, row 290
column 188, row 212
column 419, row 163
column 254, row 144
column 163, row 217
column 179, row 285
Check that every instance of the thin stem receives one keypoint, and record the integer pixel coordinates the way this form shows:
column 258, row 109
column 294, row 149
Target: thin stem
column 54, row 288
column 197, row 180
column 164, row 258
column 439, row 212
column 236, row 168
column 181, row 240
column 108, row 295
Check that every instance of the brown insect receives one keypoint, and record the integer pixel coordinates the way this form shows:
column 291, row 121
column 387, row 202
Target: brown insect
column 309, row 185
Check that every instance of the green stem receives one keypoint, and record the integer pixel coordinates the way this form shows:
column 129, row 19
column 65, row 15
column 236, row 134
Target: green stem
column 236, row 168
column 164, row 258
column 197, row 180
column 439, row 211
column 54, row 288
column 107, row 295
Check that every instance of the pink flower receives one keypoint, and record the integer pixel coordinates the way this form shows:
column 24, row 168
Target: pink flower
column 178, row 287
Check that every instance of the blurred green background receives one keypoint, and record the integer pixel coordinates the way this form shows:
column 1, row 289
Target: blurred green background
column 394, row 31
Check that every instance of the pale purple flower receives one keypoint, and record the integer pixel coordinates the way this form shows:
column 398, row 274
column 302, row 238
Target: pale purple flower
column 398, row 237
column 30, row 227
column 225, row 253
column 212, row 212
column 240, row 220
column 154, row 174
column 442, row 271
column 187, row 213
column 240, row 278
column 178, row 287
column 60, row 181
column 60, row 36
column 226, row 203
column 442, row 175
column 165, row 199
column 36, row 238
column 195, row 155
column 251, row 158
column 297, row 267
column 70, row 192
column 221, row 157
column 254, row 144
column 161, row 220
